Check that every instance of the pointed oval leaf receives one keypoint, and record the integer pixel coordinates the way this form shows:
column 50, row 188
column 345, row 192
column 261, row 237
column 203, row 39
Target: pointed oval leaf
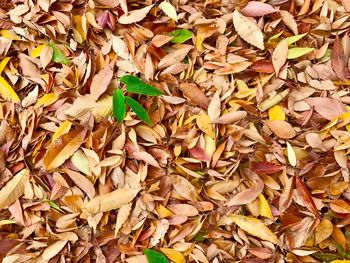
column 298, row 52
column 7, row 92
column 255, row 8
column 248, row 30
column 168, row 9
column 119, row 108
column 155, row 256
column 144, row 89
column 63, row 148
column 129, row 80
column 138, row 109
column 180, row 36
column 58, row 56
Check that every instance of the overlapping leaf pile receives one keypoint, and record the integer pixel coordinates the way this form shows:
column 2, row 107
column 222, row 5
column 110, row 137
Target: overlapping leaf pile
column 244, row 156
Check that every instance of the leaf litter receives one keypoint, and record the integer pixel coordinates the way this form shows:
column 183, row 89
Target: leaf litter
column 175, row 131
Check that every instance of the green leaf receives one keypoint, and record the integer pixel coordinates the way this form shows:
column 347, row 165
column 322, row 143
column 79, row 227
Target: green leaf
column 298, row 52
column 180, row 35
column 293, row 39
column 325, row 257
column 55, row 206
column 119, row 108
column 155, row 256
column 144, row 89
column 136, row 85
column 57, row 55
column 138, row 109
column 130, row 80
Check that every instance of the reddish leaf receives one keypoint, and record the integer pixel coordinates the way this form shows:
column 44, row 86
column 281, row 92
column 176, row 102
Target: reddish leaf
column 306, row 196
column 267, row 168
column 262, row 66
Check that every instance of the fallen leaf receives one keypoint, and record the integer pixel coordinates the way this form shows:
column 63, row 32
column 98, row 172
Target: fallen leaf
column 122, row 216
column 63, row 148
column 110, row 201
column 248, row 30
column 231, row 117
column 255, row 8
column 195, row 94
column 173, row 255
column 305, row 196
column 338, row 60
column 279, row 56
column 265, row 209
column 247, row 196
column 255, row 228
column 13, row 189
column 276, row 113
column 328, row 108
column 340, row 206
column 135, row 15
column 183, row 187
column 298, row 52
column 282, row 129
column 53, row 249
column 100, row 82
column 7, row 92
column 323, row 231
column 168, row 9
column 292, row 159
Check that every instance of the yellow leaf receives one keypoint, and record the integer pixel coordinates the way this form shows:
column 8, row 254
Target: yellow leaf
column 340, row 261
column 205, row 125
column 13, row 189
column 81, row 25
column 255, row 228
column 291, row 155
column 248, row 30
column 62, row 129
column 298, row 52
column 46, row 100
column 163, row 211
column 173, row 255
column 4, row 63
column 110, row 201
column 7, row 92
column 9, row 34
column 276, row 113
column 7, row 222
column 37, row 51
column 264, row 207
column 168, row 9
column 199, row 41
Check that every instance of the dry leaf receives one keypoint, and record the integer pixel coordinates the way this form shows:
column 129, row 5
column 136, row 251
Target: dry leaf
column 13, row 189
column 100, row 82
column 248, row 30
column 247, row 196
column 135, row 15
column 255, row 228
column 168, row 9
column 82, row 182
column 63, row 148
column 255, row 8
column 279, row 56
column 231, row 117
column 195, row 94
column 282, row 129
column 214, row 108
column 122, row 216
column 110, row 201
column 53, row 249
column 183, row 187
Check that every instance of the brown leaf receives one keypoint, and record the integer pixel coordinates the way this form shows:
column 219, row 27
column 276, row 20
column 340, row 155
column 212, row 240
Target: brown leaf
column 53, row 250
column 183, row 187
column 340, row 206
column 255, row 8
column 279, row 56
column 247, row 196
column 135, row 15
column 263, row 66
column 195, row 94
column 231, row 117
column 13, row 189
column 346, row 5
column 110, row 201
column 338, row 60
column 286, row 196
column 282, row 129
column 328, row 108
column 100, row 82
column 82, row 182
column 63, row 148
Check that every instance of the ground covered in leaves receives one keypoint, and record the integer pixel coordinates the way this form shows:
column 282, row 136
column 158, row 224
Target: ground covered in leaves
column 176, row 131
